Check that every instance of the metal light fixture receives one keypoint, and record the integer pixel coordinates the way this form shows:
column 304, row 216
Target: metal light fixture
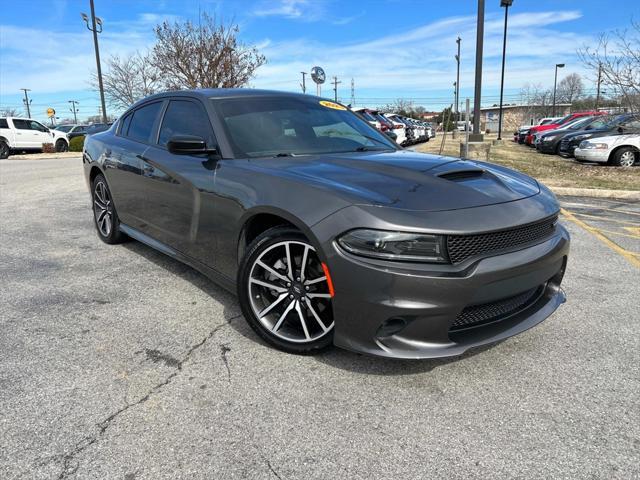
column 555, row 81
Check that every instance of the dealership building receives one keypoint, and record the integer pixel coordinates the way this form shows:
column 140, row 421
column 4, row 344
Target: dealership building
column 517, row 115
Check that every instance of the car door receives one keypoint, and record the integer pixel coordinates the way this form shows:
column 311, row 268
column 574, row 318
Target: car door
column 123, row 162
column 179, row 187
column 26, row 136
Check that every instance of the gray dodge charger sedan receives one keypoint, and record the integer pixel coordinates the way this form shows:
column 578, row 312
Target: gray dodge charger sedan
column 326, row 229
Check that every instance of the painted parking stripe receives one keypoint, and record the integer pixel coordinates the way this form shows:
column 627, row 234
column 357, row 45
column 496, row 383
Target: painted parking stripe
column 630, row 257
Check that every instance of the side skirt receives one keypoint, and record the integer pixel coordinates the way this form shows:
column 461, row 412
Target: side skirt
column 215, row 276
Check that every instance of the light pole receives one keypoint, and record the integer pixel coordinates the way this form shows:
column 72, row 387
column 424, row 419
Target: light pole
column 555, row 81
column 478, row 87
column 95, row 23
column 506, row 4
column 458, row 77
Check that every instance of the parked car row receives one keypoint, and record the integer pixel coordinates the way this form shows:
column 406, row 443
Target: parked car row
column 72, row 131
column 403, row 130
column 587, row 136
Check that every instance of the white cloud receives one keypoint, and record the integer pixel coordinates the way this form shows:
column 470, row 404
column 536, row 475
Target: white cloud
column 294, row 9
column 415, row 62
column 421, row 60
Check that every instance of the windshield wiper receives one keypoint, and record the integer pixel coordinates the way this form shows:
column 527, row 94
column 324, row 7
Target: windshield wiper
column 365, row 148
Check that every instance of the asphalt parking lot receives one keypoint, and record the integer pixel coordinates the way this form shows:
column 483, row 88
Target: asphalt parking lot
column 118, row 362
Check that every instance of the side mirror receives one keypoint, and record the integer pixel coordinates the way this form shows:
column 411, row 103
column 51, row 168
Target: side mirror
column 188, row 145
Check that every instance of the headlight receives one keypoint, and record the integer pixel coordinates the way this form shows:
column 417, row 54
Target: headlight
column 581, row 137
column 548, row 139
column 593, row 146
column 416, row 247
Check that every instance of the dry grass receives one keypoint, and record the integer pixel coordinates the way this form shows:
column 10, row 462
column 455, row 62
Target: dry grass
column 551, row 170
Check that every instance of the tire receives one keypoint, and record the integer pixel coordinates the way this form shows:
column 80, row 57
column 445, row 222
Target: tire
column 4, row 150
column 105, row 217
column 624, row 157
column 296, row 314
column 62, row 146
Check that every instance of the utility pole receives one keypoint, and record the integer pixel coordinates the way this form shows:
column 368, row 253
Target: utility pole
column 26, row 101
column 477, row 96
column 335, row 88
column 95, row 23
column 598, row 87
column 74, row 110
column 506, row 4
column 353, row 93
column 458, row 78
column 303, row 84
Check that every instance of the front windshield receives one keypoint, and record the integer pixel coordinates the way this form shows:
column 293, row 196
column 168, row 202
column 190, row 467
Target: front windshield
column 599, row 122
column 64, row 128
column 290, row 126
column 564, row 120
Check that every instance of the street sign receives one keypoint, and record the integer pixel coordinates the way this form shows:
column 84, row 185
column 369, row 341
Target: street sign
column 51, row 112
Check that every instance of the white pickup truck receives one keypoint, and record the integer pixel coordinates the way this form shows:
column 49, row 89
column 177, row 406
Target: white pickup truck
column 26, row 134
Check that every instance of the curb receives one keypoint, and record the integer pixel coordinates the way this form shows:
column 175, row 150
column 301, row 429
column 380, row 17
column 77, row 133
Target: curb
column 596, row 193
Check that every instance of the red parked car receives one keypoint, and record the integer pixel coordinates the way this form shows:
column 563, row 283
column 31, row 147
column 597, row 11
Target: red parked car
column 551, row 126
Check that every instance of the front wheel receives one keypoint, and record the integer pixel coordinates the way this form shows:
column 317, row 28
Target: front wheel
column 625, row 157
column 61, row 146
column 284, row 292
column 4, row 150
column 104, row 212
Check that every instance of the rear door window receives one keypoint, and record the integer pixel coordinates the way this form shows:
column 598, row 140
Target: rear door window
column 21, row 124
column 3, row 123
column 143, row 121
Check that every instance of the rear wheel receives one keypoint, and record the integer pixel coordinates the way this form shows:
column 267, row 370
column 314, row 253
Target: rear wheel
column 624, row 157
column 4, row 150
column 61, row 146
column 284, row 292
column 104, row 212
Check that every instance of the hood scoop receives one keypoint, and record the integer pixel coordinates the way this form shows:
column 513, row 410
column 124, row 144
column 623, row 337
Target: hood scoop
column 462, row 175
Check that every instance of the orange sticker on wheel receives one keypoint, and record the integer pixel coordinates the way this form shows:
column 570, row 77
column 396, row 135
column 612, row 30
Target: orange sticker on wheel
column 335, row 106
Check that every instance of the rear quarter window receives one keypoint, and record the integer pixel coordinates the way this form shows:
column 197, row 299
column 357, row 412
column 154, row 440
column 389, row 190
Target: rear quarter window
column 143, row 121
column 4, row 123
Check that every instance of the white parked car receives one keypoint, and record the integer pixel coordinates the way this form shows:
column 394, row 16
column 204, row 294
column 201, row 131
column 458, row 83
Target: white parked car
column 27, row 134
column 619, row 150
column 399, row 128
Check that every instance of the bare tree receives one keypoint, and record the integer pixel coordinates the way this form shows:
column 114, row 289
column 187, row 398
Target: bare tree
column 206, row 55
column 570, row 88
column 399, row 106
column 10, row 112
column 617, row 58
column 129, row 79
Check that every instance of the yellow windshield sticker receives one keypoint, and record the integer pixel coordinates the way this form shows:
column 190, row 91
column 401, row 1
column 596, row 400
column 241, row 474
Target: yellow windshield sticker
column 333, row 105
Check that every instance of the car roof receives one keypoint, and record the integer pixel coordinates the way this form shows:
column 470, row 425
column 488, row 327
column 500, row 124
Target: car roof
column 217, row 93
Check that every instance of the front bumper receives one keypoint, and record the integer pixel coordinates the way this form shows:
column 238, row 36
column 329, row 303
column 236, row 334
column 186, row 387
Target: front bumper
column 407, row 311
column 548, row 147
column 592, row 155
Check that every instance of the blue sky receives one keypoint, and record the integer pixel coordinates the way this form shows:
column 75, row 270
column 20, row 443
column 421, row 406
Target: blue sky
column 391, row 48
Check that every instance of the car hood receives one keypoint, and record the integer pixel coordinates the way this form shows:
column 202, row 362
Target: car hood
column 406, row 179
column 542, row 128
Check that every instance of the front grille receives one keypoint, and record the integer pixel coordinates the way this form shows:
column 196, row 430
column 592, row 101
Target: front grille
column 462, row 247
column 476, row 315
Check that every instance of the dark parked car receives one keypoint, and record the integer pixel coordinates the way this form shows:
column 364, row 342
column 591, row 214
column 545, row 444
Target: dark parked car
column 618, row 125
column 550, row 141
column 327, row 231
column 77, row 131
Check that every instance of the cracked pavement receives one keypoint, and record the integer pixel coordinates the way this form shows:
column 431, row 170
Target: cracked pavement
column 118, row 362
